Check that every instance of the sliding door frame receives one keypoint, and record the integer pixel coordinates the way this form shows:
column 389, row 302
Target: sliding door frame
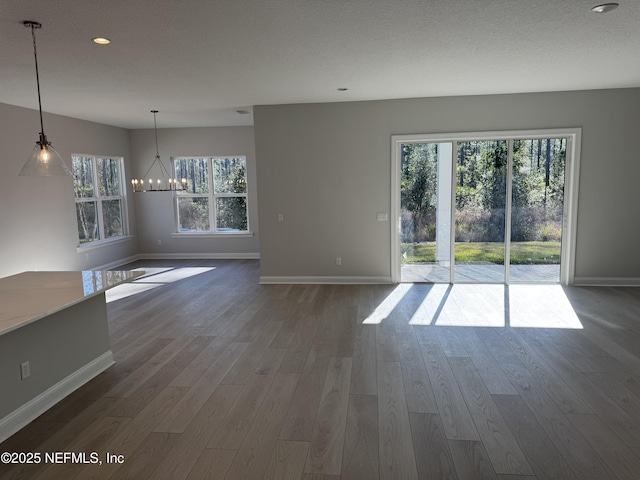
column 573, row 137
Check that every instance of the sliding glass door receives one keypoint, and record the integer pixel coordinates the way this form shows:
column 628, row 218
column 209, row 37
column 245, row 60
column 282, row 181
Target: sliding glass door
column 480, row 208
column 425, row 217
column 483, row 210
column 537, row 209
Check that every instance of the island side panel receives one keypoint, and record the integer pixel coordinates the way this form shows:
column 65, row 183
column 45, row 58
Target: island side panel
column 55, row 346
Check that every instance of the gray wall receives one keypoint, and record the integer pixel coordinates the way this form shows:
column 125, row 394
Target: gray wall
column 155, row 211
column 37, row 215
column 326, row 167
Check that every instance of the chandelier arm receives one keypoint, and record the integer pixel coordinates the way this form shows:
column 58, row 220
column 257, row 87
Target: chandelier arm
column 163, row 168
column 144, row 177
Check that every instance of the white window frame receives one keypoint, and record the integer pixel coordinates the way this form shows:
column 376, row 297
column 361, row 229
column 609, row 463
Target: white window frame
column 212, row 196
column 572, row 175
column 98, row 199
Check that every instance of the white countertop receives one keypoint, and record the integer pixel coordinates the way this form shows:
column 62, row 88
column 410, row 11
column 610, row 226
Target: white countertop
column 29, row 296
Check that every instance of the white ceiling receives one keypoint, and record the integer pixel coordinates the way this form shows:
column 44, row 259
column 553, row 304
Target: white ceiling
column 198, row 61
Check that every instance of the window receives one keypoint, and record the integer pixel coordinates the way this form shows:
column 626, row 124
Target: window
column 99, row 197
column 215, row 195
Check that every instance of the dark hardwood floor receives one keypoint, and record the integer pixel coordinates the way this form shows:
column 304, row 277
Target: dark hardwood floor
column 218, row 377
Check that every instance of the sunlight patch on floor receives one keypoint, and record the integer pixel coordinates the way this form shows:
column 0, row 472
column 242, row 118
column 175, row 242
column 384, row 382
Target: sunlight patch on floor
column 387, row 306
column 472, row 305
column 153, row 278
column 173, row 275
column 541, row 306
column 478, row 305
column 128, row 289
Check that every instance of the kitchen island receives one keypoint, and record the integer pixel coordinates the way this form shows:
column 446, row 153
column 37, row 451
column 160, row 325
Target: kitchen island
column 54, row 337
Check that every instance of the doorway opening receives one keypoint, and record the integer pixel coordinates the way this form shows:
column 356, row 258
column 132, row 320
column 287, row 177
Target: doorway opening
column 491, row 207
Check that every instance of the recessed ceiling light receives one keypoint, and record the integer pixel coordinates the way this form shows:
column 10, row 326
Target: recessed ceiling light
column 604, row 8
column 342, row 89
column 101, row 40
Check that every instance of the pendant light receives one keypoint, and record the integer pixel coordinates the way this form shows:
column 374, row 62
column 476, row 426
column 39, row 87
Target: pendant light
column 162, row 181
column 44, row 161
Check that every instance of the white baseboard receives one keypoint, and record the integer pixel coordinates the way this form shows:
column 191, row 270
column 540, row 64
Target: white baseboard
column 323, row 280
column 178, row 256
column 606, row 282
column 117, row 263
column 47, row 399
column 204, row 256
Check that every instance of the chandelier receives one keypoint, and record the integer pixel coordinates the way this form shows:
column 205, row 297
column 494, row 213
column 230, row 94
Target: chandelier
column 162, row 181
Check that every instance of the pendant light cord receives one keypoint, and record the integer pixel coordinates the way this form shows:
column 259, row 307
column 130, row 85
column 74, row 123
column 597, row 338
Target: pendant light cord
column 155, row 128
column 35, row 56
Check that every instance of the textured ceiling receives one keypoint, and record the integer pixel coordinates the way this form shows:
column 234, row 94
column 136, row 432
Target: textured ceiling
column 198, row 61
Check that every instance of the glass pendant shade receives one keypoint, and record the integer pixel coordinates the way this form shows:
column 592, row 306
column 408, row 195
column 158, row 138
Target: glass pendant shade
column 44, row 161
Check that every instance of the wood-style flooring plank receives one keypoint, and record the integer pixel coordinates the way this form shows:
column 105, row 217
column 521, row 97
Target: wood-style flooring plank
column 471, row 460
column 417, row 386
column 212, row 464
column 232, row 327
column 287, row 461
column 200, row 364
column 364, row 374
column 433, row 457
column 301, row 416
column 582, row 459
column 327, row 439
column 386, row 345
column 90, row 440
column 318, row 476
column 150, row 452
column 563, row 395
column 145, row 391
column 396, row 455
column 253, row 457
column 127, row 440
column 231, row 433
column 545, row 460
column 626, row 427
column 516, row 477
column 301, row 344
column 622, row 461
column 187, row 408
column 500, row 445
column 451, row 344
column 181, row 459
column 618, row 392
column 491, row 374
column 360, row 454
column 453, row 410
column 250, row 359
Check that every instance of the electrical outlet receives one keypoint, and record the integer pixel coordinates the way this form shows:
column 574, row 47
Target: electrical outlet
column 25, row 370
column 280, row 217
column 338, row 261
column 159, row 242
